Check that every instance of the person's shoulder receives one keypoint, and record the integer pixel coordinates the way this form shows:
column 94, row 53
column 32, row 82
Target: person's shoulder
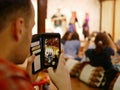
column 108, row 48
column 77, row 41
column 11, row 70
column 90, row 50
column 70, row 43
column 73, row 41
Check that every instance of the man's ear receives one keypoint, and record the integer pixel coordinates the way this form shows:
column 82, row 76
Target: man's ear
column 18, row 28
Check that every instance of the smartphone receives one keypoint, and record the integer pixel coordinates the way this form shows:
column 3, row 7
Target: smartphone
column 47, row 48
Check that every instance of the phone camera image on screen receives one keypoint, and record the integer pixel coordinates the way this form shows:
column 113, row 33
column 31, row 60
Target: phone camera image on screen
column 51, row 46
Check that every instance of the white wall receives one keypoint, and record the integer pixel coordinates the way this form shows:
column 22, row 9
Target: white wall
column 107, row 16
column 81, row 7
column 117, row 21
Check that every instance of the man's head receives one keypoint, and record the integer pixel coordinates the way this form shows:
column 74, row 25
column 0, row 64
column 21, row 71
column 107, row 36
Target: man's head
column 16, row 23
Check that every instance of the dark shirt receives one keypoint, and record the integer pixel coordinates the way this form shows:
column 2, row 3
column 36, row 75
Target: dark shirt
column 103, row 59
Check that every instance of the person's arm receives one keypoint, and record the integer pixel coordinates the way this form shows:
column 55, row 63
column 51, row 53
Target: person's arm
column 111, row 43
column 60, row 77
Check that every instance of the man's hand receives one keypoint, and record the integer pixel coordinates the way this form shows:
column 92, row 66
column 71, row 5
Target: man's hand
column 29, row 68
column 60, row 77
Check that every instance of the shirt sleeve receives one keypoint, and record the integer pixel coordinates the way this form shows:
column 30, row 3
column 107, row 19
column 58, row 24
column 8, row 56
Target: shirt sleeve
column 88, row 52
column 109, row 51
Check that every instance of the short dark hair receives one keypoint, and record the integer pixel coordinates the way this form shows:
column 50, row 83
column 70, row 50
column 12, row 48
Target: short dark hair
column 11, row 9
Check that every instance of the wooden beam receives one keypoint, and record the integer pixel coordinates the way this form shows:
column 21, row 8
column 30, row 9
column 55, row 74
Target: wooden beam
column 42, row 13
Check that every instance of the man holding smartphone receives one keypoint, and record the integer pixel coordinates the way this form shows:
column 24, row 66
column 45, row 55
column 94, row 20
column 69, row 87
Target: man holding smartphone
column 16, row 23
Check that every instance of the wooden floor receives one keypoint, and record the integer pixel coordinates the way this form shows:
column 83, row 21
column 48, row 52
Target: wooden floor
column 77, row 85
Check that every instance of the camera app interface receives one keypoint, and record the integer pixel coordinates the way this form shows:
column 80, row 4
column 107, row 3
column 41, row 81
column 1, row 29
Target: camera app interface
column 52, row 50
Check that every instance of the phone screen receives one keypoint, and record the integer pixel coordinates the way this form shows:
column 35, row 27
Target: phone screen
column 52, row 51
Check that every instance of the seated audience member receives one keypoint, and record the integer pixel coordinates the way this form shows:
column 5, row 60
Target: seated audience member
column 16, row 23
column 72, row 46
column 101, row 55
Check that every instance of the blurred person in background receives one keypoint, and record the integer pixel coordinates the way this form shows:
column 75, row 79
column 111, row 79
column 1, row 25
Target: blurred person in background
column 73, row 22
column 101, row 56
column 85, row 26
column 67, row 36
column 72, row 46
